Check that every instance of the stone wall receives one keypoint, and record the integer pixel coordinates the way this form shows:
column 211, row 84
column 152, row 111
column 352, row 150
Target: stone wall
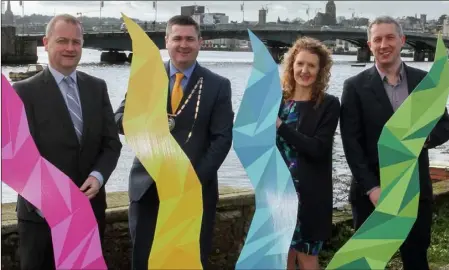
column 27, row 48
column 234, row 215
column 8, row 40
column 16, row 50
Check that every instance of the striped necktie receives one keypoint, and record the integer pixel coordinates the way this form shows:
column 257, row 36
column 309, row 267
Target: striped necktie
column 74, row 107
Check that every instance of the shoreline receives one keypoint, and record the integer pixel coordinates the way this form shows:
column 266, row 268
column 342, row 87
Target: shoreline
column 341, row 185
column 403, row 54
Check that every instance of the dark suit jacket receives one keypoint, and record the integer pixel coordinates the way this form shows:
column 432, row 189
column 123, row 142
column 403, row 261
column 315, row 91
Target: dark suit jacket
column 211, row 138
column 54, row 135
column 313, row 142
column 364, row 112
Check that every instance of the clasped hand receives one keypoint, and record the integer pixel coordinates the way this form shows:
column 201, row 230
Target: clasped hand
column 90, row 187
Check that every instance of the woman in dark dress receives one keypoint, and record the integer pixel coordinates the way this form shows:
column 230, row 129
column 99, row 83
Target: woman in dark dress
column 307, row 121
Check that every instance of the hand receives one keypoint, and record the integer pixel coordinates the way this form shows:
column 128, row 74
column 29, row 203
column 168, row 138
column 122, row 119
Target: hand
column 278, row 122
column 90, row 187
column 374, row 196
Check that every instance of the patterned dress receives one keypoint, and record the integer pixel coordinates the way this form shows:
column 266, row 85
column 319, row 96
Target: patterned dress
column 289, row 114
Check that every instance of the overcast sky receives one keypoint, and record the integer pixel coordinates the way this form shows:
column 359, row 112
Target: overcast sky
column 284, row 9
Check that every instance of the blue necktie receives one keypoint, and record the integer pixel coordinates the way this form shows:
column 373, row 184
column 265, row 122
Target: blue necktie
column 74, row 107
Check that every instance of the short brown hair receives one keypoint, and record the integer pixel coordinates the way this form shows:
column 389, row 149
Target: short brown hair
column 62, row 17
column 386, row 20
column 182, row 20
column 322, row 82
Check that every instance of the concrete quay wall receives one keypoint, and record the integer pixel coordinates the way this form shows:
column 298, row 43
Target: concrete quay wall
column 16, row 50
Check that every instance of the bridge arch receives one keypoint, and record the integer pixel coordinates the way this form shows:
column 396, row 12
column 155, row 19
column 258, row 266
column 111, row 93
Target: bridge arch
column 276, row 35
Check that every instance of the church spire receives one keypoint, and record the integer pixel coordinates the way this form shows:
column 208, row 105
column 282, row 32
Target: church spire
column 8, row 17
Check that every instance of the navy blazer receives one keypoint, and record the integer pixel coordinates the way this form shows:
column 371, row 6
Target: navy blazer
column 211, row 138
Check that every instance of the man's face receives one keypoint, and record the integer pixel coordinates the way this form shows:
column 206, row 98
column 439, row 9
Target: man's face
column 183, row 45
column 64, row 46
column 386, row 43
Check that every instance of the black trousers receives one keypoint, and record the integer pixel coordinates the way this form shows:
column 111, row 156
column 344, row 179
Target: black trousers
column 414, row 249
column 35, row 245
column 142, row 225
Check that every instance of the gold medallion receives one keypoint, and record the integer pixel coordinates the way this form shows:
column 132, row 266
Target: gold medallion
column 171, row 122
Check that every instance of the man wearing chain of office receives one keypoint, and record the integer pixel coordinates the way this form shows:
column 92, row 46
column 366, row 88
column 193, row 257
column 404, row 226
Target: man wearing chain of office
column 200, row 118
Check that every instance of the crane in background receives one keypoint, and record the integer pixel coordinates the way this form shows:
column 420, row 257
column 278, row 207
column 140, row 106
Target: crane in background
column 266, row 7
column 80, row 14
column 155, row 11
column 242, row 9
column 307, row 11
column 353, row 12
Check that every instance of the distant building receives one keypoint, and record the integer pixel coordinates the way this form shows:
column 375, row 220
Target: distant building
column 355, row 22
column 191, row 10
column 331, row 13
column 423, row 18
column 263, row 16
column 340, row 19
column 8, row 17
column 344, row 46
column 327, row 18
column 446, row 27
column 211, row 18
column 220, row 18
column 411, row 23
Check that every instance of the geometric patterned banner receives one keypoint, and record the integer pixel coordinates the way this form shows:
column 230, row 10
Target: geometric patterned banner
column 176, row 243
column 74, row 230
column 271, row 231
column 399, row 146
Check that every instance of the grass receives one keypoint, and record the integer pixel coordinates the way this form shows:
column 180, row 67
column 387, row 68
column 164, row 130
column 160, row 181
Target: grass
column 439, row 248
column 438, row 253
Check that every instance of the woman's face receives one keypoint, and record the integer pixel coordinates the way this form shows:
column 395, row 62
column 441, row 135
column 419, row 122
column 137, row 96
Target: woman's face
column 306, row 68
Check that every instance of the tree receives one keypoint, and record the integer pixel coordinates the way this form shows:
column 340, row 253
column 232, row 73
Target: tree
column 441, row 19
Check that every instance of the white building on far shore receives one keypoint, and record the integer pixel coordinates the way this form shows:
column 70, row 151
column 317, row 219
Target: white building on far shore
column 446, row 27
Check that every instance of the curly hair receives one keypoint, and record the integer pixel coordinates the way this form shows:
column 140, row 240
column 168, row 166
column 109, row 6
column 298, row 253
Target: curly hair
column 322, row 81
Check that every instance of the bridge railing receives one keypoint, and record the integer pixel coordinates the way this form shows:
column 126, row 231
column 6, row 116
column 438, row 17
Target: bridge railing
column 275, row 27
column 217, row 27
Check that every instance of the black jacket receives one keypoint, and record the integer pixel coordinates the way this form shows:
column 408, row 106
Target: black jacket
column 365, row 109
column 313, row 142
column 54, row 135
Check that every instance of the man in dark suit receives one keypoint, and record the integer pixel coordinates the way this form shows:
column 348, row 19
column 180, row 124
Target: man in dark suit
column 72, row 123
column 207, row 146
column 369, row 100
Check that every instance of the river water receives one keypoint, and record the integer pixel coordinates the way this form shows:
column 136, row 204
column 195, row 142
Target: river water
column 237, row 67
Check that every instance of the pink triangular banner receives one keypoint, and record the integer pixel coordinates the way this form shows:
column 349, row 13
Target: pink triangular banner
column 92, row 252
column 22, row 133
column 33, row 190
column 59, row 233
column 66, row 209
column 63, row 186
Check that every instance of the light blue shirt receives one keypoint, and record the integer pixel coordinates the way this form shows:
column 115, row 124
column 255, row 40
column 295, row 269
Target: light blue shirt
column 59, row 77
column 185, row 80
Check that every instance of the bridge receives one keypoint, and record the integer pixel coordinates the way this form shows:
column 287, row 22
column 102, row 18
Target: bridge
column 276, row 37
